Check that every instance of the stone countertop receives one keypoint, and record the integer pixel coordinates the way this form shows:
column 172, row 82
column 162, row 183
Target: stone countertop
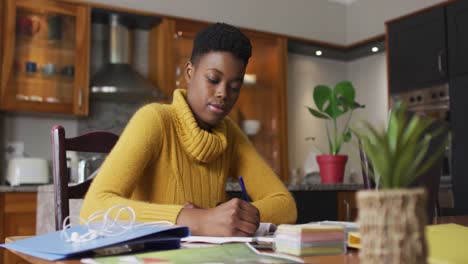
column 230, row 186
column 49, row 188
column 234, row 186
column 21, row 188
column 326, row 187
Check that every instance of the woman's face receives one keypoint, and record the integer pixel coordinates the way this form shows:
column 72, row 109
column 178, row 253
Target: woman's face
column 213, row 86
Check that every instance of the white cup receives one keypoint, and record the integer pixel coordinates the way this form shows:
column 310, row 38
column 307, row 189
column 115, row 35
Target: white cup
column 48, row 69
column 250, row 126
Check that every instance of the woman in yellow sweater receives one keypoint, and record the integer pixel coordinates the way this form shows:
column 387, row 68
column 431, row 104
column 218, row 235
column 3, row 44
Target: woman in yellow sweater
column 172, row 161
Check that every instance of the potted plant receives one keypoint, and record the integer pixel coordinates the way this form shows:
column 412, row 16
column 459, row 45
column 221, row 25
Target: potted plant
column 392, row 219
column 332, row 104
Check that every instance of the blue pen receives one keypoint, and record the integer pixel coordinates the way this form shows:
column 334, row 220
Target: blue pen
column 244, row 191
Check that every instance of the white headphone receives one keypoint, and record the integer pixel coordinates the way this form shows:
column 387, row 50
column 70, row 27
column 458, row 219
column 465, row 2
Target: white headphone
column 107, row 227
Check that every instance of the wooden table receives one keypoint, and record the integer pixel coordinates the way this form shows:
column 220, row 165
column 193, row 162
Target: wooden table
column 350, row 258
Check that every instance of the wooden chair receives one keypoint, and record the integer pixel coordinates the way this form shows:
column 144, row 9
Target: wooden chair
column 429, row 180
column 366, row 168
column 99, row 142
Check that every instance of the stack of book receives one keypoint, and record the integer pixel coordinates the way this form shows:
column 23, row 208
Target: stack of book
column 310, row 239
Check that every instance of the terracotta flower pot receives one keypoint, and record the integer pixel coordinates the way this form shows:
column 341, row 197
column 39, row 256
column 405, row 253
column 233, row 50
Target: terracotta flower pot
column 332, row 168
column 392, row 224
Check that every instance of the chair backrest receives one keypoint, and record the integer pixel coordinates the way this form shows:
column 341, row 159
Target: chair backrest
column 430, row 179
column 98, row 141
column 366, row 168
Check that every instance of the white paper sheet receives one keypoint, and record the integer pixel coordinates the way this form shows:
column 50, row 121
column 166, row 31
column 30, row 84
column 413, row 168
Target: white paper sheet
column 223, row 240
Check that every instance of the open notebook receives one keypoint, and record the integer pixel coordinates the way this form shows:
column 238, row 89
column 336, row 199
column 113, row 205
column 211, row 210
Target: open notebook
column 264, row 234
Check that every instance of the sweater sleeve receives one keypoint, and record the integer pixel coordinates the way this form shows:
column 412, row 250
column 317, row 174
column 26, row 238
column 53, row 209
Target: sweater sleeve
column 125, row 166
column 269, row 195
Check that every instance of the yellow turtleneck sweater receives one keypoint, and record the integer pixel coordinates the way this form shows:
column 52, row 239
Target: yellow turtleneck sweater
column 163, row 159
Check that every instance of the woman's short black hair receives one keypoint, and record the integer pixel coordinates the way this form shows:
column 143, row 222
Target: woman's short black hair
column 221, row 37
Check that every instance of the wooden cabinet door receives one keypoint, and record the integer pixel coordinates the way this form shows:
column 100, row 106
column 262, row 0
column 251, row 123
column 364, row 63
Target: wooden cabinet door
column 17, row 218
column 457, row 32
column 170, row 47
column 347, row 208
column 2, row 36
column 417, row 51
column 315, row 206
column 45, row 66
column 459, row 131
column 2, row 225
column 265, row 100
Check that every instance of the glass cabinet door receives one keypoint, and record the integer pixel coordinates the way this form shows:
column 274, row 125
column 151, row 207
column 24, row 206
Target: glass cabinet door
column 2, row 36
column 183, row 48
column 46, row 66
column 261, row 104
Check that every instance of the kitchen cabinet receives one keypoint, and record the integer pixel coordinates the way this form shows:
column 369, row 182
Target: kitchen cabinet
column 263, row 100
column 457, row 37
column 315, row 206
column 459, row 129
column 17, row 218
column 45, row 64
column 170, row 49
column 418, row 57
column 417, row 53
column 312, row 206
column 346, row 206
column 2, row 36
column 331, row 205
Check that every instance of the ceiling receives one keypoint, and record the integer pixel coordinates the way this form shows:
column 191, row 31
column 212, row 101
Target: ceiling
column 346, row 2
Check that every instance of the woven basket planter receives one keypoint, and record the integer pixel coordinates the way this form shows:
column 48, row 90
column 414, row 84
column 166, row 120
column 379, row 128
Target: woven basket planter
column 392, row 226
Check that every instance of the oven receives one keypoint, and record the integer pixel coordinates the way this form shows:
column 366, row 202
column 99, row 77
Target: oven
column 434, row 102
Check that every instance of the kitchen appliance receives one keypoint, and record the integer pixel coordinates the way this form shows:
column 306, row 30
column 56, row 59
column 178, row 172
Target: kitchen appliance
column 89, row 167
column 434, row 102
column 117, row 79
column 27, row 171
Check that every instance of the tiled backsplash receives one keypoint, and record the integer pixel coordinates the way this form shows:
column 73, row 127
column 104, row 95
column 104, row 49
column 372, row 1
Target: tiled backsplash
column 108, row 115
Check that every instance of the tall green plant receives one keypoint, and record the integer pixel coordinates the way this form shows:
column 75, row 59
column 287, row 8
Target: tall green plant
column 399, row 154
column 331, row 104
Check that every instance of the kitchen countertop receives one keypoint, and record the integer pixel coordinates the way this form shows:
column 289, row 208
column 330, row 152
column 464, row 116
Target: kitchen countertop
column 326, row 187
column 234, row 186
column 230, row 186
column 22, row 188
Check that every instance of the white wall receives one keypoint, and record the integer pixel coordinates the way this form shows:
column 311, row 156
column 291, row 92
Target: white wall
column 369, row 77
column 34, row 131
column 313, row 19
column 304, row 72
column 366, row 18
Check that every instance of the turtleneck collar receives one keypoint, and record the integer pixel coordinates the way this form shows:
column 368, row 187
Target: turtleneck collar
column 202, row 145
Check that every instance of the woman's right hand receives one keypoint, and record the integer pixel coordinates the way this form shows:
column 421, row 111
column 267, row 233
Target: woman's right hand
column 233, row 218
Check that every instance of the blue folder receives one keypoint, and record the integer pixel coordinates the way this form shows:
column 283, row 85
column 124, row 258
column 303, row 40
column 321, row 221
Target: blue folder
column 52, row 246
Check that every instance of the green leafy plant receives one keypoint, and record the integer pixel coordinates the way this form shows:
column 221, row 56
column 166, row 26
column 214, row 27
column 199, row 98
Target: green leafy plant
column 398, row 153
column 331, row 104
